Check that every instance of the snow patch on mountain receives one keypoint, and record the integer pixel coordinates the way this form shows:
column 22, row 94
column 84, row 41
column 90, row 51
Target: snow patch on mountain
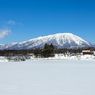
column 67, row 40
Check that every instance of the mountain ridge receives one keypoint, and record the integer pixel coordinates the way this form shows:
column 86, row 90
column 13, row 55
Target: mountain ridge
column 64, row 40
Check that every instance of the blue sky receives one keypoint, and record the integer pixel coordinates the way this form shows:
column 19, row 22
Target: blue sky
column 21, row 20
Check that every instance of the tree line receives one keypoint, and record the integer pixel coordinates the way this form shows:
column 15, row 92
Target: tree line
column 48, row 51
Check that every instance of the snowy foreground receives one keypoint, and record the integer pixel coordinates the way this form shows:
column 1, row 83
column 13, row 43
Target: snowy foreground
column 80, row 57
column 63, row 77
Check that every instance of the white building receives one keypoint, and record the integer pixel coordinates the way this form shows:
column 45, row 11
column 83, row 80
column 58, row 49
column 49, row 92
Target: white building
column 58, row 55
column 94, row 53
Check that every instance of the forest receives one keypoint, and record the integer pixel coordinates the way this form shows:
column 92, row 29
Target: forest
column 47, row 51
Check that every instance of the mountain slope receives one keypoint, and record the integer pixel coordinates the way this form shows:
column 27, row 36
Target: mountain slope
column 66, row 40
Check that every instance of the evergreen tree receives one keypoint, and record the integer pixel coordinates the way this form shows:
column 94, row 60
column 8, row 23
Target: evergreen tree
column 48, row 50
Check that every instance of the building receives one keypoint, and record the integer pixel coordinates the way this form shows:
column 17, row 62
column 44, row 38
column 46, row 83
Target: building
column 56, row 55
column 87, row 52
column 94, row 53
column 31, row 55
column 59, row 55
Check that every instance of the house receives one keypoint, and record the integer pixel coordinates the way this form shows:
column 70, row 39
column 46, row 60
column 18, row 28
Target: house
column 76, row 54
column 94, row 53
column 87, row 52
column 31, row 55
column 58, row 55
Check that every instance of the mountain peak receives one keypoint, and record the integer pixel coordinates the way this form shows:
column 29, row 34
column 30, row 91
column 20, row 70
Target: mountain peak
column 62, row 40
column 64, row 34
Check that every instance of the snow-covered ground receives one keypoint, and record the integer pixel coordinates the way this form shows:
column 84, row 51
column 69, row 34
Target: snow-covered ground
column 79, row 57
column 3, row 59
column 61, row 77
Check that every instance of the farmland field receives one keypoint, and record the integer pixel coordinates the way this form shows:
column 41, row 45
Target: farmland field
column 63, row 77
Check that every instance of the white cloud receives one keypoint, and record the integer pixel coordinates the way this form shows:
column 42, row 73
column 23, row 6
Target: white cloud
column 4, row 33
column 11, row 22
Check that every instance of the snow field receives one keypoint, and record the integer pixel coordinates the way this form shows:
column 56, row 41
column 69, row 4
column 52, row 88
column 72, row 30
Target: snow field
column 64, row 77
column 79, row 57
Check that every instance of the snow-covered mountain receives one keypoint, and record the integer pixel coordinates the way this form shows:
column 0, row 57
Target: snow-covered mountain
column 67, row 40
